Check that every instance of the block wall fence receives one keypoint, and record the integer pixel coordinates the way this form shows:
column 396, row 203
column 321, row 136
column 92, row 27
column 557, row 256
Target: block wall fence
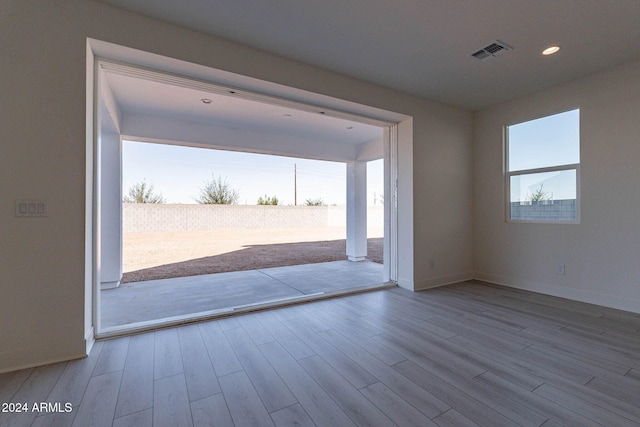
column 545, row 210
column 170, row 217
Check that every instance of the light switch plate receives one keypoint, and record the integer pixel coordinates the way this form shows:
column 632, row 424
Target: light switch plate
column 30, row 208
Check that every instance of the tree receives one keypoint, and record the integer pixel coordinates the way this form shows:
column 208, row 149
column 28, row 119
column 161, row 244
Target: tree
column 314, row 202
column 266, row 200
column 218, row 192
column 142, row 192
column 539, row 195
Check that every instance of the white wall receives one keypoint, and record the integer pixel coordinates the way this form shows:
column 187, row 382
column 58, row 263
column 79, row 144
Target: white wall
column 442, row 204
column 602, row 253
column 43, row 155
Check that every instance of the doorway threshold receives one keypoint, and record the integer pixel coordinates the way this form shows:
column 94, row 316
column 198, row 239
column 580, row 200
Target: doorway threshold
column 141, row 306
column 140, row 327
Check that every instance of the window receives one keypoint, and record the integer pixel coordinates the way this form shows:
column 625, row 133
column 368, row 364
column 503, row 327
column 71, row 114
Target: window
column 543, row 168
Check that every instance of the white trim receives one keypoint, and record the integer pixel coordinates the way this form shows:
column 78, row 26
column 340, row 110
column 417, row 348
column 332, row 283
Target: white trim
column 109, row 285
column 90, row 285
column 406, row 284
column 127, row 55
column 96, row 247
column 111, row 59
column 436, row 282
column 391, row 206
column 562, row 291
column 225, row 312
column 110, row 102
column 508, row 174
column 89, row 340
column 544, row 170
column 131, row 70
column 30, row 357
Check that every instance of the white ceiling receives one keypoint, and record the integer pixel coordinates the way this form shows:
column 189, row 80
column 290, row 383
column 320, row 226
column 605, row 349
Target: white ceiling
column 424, row 46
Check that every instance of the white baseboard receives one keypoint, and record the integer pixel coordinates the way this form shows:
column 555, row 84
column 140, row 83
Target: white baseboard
column 89, row 340
column 405, row 284
column 434, row 282
column 626, row 304
column 30, row 357
column 442, row 281
column 109, row 285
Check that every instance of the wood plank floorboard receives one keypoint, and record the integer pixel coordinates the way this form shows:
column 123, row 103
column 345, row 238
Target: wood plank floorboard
column 352, row 402
column 293, row 415
column 211, row 411
column 354, row 373
column 269, row 386
column 591, row 346
column 99, row 401
column 198, row 370
column 222, row 356
column 171, row 406
column 73, row 382
column 258, row 333
column 168, row 359
column 112, row 357
column 461, row 355
column 423, row 400
column 35, row 389
column 552, row 410
column 54, row 419
column 139, row 419
column 10, row 383
column 627, row 391
column 453, row 418
column 376, row 349
column 454, row 397
column 395, row 407
column 294, row 345
column 321, row 408
column 136, row 388
column 595, row 412
column 634, row 373
column 245, row 406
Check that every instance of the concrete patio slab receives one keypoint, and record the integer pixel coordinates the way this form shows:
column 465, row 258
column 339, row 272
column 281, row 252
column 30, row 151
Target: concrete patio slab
column 152, row 300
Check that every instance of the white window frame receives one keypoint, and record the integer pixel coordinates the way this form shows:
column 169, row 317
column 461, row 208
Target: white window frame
column 508, row 175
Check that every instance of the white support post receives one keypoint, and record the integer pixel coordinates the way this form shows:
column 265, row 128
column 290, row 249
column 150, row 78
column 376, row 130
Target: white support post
column 111, row 212
column 357, row 210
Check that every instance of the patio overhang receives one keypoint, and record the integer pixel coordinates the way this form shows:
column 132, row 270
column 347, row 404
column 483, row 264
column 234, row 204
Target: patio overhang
column 147, row 106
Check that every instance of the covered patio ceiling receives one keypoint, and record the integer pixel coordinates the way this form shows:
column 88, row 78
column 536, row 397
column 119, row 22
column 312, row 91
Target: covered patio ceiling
column 148, row 105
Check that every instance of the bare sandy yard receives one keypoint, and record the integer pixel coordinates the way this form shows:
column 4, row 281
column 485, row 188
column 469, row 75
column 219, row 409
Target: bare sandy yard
column 157, row 255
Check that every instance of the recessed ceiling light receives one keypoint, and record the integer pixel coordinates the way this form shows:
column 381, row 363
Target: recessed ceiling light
column 206, row 101
column 551, row 50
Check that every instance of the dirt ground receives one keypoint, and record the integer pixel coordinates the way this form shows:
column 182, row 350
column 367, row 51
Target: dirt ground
column 160, row 255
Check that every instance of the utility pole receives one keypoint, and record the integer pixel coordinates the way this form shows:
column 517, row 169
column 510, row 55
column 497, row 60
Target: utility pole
column 295, row 185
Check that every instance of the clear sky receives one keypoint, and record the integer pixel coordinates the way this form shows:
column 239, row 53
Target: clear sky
column 178, row 173
column 545, row 142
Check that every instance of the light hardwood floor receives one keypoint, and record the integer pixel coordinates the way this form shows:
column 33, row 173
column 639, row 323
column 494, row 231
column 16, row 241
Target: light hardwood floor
column 461, row 355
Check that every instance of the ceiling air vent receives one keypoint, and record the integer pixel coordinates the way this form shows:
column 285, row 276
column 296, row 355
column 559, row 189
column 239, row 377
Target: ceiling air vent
column 494, row 49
